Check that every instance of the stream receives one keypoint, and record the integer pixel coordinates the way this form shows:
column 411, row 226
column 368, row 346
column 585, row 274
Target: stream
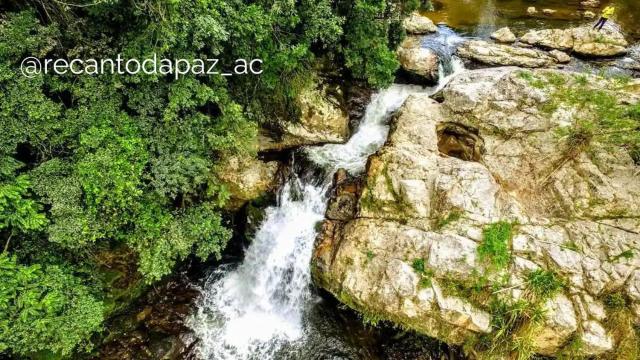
column 263, row 307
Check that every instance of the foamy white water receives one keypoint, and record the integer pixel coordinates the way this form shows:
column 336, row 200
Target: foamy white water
column 251, row 311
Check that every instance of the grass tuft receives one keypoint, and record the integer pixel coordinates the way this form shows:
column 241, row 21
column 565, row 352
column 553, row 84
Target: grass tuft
column 544, row 284
column 495, row 245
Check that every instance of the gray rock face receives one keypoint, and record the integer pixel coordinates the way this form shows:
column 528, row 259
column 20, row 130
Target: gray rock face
column 323, row 119
column 247, row 179
column 417, row 24
column 581, row 40
column 488, row 152
column 504, row 35
column 420, row 62
column 504, row 55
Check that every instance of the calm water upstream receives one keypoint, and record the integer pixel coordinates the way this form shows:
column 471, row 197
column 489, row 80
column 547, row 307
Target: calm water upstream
column 481, row 17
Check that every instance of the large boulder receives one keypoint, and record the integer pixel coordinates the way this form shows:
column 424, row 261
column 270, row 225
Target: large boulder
column 497, row 54
column 487, row 153
column 417, row 24
column 581, row 40
column 246, row 179
column 417, row 61
column 323, row 119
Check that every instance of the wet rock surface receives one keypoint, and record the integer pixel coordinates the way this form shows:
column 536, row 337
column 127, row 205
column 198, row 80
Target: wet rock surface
column 419, row 63
column 424, row 208
column 153, row 328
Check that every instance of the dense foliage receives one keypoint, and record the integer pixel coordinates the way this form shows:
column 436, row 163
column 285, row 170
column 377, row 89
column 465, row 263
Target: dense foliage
column 90, row 164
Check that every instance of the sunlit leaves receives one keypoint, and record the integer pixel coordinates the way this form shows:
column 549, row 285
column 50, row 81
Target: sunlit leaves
column 44, row 309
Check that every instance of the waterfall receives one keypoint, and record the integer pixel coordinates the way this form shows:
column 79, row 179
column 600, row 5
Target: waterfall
column 253, row 310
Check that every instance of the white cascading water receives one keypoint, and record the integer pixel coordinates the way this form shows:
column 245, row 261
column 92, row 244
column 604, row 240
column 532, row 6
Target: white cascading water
column 251, row 311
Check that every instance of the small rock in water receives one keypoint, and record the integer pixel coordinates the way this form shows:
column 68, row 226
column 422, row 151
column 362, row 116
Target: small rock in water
column 590, row 3
column 531, row 10
column 561, row 56
column 589, row 14
column 417, row 24
column 504, row 35
column 549, row 11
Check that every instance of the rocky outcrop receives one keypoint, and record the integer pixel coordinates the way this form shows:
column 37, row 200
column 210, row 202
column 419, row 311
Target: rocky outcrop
column 505, row 55
column 418, row 62
column 488, row 153
column 323, row 119
column 417, row 24
column 246, row 179
column 581, row 40
column 504, row 35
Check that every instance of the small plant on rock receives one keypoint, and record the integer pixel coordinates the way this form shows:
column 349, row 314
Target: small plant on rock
column 494, row 248
column 418, row 265
column 544, row 284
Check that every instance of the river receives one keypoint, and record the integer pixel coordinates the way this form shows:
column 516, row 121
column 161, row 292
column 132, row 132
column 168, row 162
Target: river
column 482, row 17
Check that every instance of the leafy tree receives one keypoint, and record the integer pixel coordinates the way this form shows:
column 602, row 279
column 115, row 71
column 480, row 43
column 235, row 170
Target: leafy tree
column 44, row 309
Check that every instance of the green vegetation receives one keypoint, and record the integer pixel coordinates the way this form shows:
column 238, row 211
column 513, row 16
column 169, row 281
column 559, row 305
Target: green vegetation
column 92, row 165
column 615, row 301
column 530, row 78
column 544, row 284
column 621, row 324
column 627, row 255
column 514, row 321
column 451, row 217
column 573, row 349
column 426, row 275
column 495, row 247
column 369, row 256
column 368, row 316
column 418, row 265
column 603, row 118
column 45, row 308
column 571, row 245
